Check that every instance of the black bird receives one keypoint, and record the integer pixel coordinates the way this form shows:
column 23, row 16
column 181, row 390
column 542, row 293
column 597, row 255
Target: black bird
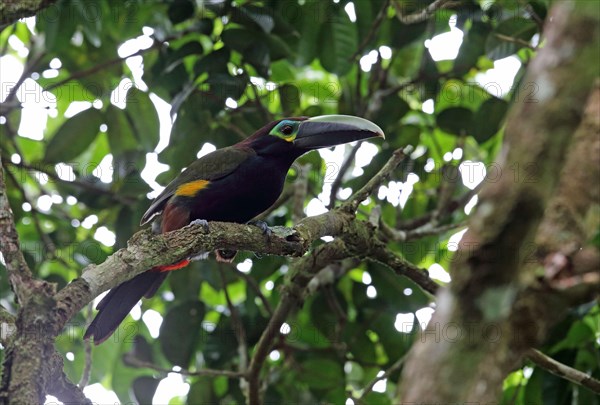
column 233, row 184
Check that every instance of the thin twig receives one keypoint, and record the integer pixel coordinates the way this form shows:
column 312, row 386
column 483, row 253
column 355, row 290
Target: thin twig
column 383, row 376
column 35, row 213
column 290, row 297
column 95, row 69
column 563, row 371
column 352, row 204
column 29, row 67
column 300, row 189
column 450, row 208
column 304, row 269
column 374, row 28
column 424, row 13
column 514, row 40
column 254, row 285
column 335, row 186
column 87, row 344
column 135, row 362
column 405, row 268
column 265, row 112
column 77, row 183
column 427, row 229
column 238, row 327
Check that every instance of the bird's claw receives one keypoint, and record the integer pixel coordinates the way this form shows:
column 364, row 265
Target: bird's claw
column 263, row 227
column 202, row 222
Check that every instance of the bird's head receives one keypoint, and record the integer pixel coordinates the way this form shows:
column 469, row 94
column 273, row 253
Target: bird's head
column 296, row 136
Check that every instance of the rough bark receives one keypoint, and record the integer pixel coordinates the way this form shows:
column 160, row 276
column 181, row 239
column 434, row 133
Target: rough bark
column 12, row 10
column 493, row 309
column 30, row 368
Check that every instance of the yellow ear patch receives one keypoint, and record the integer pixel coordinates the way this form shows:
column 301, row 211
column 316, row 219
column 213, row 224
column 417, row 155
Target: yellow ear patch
column 191, row 189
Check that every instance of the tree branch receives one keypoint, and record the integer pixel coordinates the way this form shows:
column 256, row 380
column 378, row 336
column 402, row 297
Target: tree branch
column 564, row 371
column 146, row 250
column 492, row 279
column 19, row 274
column 11, row 11
column 61, row 387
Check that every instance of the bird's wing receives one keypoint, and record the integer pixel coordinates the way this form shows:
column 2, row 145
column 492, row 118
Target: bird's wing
column 213, row 166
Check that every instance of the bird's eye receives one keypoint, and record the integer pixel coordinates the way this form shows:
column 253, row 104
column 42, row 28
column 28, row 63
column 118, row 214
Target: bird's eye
column 287, row 129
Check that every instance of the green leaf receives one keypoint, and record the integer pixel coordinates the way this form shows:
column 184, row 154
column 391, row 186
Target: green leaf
column 74, row 136
column 455, row 120
column 364, row 17
column 201, row 392
column 180, row 10
column 339, row 41
column 214, row 62
column 205, row 26
column 258, row 56
column 57, row 24
column 239, row 39
column 88, row 14
column 405, row 34
column 143, row 118
column 359, row 344
column 457, row 93
column 393, row 108
column 221, row 346
column 260, row 16
column 472, row 48
column 180, row 332
column 224, row 85
column 278, row 48
column 141, row 350
column 144, row 389
column 120, row 134
column 313, row 15
column 321, row 373
column 323, row 317
column 186, row 284
column 289, row 95
column 518, row 28
column 177, row 57
column 488, row 119
column 405, row 135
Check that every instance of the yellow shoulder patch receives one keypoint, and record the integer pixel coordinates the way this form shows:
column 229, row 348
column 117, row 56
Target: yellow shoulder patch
column 191, row 189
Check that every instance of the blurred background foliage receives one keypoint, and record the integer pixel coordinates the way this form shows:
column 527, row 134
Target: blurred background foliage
column 87, row 119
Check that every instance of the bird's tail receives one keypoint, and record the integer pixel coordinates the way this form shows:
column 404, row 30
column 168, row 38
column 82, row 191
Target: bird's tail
column 115, row 306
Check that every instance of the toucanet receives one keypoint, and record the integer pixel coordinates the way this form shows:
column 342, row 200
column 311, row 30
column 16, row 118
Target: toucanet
column 232, row 184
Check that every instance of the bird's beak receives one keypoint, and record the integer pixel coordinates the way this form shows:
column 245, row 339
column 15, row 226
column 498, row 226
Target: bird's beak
column 330, row 130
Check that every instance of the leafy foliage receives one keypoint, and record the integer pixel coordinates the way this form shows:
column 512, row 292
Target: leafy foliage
column 225, row 68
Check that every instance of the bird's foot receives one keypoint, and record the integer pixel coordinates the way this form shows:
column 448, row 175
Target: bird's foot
column 263, row 227
column 202, row 222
